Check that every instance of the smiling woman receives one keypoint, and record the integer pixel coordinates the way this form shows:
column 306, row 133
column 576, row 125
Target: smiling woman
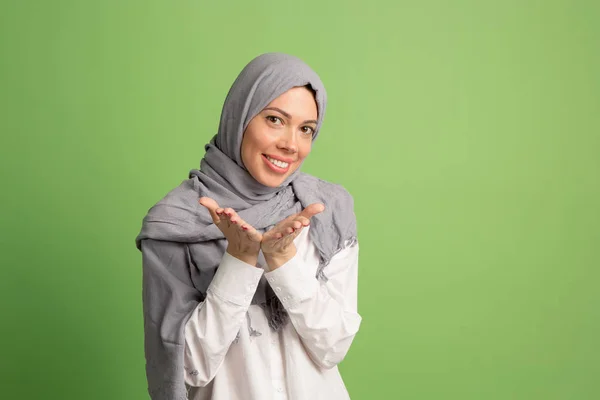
column 251, row 266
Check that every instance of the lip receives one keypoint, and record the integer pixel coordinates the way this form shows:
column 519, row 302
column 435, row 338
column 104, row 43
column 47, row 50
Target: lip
column 279, row 158
column 275, row 168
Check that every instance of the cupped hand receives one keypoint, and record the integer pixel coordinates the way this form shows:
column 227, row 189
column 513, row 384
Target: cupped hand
column 277, row 244
column 243, row 241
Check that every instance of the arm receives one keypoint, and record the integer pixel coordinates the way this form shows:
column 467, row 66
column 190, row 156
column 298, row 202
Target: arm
column 212, row 324
column 323, row 313
column 216, row 321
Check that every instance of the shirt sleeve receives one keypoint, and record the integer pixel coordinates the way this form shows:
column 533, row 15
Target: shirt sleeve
column 323, row 313
column 216, row 321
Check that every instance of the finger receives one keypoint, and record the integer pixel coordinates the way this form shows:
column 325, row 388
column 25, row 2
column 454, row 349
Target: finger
column 229, row 214
column 312, row 210
column 208, row 203
column 288, row 219
column 295, row 225
column 252, row 233
column 288, row 228
column 303, row 220
column 211, row 206
column 234, row 218
column 272, row 235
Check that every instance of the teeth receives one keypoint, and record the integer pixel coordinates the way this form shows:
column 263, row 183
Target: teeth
column 278, row 163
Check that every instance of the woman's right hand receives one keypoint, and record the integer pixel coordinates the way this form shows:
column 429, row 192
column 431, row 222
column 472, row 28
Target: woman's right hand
column 243, row 241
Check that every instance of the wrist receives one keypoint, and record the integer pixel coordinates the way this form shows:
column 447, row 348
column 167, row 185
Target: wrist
column 276, row 260
column 248, row 258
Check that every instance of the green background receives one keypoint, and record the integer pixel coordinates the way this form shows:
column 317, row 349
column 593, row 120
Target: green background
column 468, row 133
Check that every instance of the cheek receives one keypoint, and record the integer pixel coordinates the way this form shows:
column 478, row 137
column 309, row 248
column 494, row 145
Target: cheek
column 250, row 146
column 258, row 141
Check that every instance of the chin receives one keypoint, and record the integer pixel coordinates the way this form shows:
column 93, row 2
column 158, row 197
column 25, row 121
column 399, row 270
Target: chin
column 272, row 182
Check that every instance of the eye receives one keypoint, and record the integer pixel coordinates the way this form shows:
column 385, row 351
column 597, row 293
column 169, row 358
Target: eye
column 308, row 130
column 273, row 119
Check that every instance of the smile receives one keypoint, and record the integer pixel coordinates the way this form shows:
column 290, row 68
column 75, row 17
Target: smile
column 280, row 164
column 276, row 165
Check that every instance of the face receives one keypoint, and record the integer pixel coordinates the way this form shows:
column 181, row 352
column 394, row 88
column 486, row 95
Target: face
column 279, row 138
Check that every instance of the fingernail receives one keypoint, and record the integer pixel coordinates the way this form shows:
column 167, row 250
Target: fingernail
column 245, row 227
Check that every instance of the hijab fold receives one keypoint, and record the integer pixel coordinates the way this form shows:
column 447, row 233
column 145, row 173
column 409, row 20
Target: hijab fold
column 178, row 217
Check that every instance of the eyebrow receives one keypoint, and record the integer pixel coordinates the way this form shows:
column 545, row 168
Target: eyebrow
column 288, row 116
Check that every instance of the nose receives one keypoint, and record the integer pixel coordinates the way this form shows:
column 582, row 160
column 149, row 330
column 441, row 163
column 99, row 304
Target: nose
column 288, row 141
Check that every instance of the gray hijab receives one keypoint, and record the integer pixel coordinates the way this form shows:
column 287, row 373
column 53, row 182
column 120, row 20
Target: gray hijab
column 222, row 176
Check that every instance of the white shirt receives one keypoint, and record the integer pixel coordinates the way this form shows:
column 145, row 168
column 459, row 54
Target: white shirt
column 297, row 363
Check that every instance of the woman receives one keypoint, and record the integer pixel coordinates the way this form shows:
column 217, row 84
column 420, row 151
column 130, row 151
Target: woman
column 250, row 266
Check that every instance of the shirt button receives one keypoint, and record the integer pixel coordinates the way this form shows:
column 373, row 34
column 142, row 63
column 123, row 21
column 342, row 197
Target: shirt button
column 278, row 289
column 280, row 389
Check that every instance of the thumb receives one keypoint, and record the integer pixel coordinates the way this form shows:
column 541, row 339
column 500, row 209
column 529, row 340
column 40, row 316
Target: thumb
column 312, row 210
column 211, row 206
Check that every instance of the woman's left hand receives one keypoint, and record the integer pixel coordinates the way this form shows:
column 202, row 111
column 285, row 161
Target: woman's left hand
column 277, row 244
